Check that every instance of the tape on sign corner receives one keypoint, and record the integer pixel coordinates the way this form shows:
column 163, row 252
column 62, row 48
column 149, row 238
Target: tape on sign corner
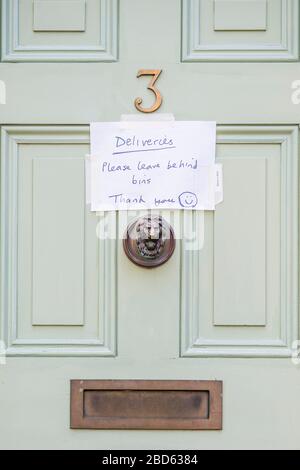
column 147, row 117
column 218, row 184
column 129, row 120
column 88, row 176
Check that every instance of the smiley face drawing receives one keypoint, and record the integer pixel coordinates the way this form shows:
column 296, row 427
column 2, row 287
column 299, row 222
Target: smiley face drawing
column 188, row 200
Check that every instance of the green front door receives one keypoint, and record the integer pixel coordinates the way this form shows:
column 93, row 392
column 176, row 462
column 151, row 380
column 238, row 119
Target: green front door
column 73, row 306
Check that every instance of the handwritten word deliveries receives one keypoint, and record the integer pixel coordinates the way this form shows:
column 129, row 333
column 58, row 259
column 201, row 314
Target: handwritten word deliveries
column 151, row 167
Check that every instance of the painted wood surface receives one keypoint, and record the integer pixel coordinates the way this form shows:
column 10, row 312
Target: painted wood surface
column 74, row 306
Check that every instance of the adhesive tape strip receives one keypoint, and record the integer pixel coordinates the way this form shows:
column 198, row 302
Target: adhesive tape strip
column 130, row 120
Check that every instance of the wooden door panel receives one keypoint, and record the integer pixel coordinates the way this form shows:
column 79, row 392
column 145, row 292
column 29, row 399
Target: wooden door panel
column 59, row 278
column 226, row 30
column 59, row 31
column 250, row 249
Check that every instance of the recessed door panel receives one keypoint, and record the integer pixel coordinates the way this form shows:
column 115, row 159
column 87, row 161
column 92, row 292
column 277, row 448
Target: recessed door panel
column 59, row 31
column 240, row 30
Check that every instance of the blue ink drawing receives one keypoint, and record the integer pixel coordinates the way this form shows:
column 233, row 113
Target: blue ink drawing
column 188, row 199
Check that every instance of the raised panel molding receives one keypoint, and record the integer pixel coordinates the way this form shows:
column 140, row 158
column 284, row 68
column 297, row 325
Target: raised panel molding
column 230, row 257
column 55, row 301
column 65, row 15
column 252, row 42
column 235, row 15
column 104, row 343
column 105, row 49
column 194, row 342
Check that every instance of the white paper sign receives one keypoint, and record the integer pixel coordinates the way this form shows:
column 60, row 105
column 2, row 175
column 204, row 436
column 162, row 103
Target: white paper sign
column 153, row 165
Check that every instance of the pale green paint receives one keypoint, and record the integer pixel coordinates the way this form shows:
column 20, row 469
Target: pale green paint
column 203, row 272
column 202, row 42
column 21, row 146
column 22, row 43
column 234, row 15
column 147, row 322
column 65, row 15
column 252, row 415
column 57, row 240
column 240, row 253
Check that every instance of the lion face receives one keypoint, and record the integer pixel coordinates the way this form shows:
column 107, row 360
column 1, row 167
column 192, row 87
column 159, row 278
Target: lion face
column 150, row 237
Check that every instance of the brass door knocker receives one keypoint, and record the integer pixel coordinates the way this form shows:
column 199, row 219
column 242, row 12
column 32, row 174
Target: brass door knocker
column 149, row 241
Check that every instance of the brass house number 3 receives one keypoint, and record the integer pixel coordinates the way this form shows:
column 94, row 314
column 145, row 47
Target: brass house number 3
column 158, row 98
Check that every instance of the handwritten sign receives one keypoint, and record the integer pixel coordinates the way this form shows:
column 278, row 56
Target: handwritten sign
column 153, row 165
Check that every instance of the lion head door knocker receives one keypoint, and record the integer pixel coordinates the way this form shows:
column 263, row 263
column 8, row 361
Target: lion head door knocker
column 149, row 241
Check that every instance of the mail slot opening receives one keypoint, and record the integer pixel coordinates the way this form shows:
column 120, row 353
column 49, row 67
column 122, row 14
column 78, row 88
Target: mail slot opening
column 150, row 404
